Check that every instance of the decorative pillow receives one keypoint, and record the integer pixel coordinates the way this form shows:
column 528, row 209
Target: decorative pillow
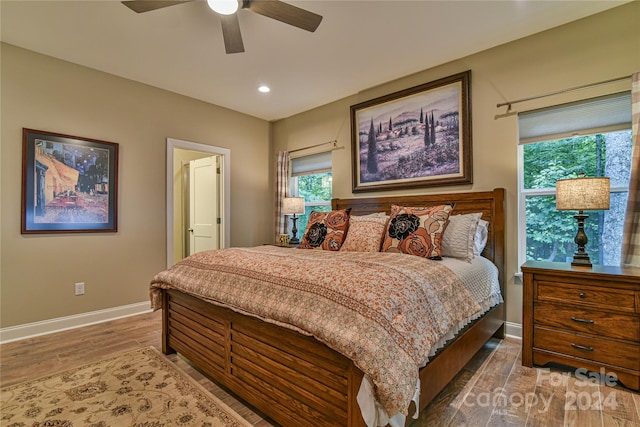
column 482, row 233
column 375, row 215
column 416, row 230
column 326, row 230
column 458, row 239
column 365, row 233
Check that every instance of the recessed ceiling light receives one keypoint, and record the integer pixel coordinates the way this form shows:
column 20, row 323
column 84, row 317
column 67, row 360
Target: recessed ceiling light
column 264, row 89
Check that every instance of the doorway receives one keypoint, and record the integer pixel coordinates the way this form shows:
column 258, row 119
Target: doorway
column 179, row 151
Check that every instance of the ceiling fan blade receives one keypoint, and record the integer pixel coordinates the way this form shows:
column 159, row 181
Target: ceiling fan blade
column 231, row 33
column 141, row 6
column 284, row 12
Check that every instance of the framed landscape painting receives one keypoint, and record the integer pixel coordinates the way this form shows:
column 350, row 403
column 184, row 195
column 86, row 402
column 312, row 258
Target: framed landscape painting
column 417, row 137
column 69, row 184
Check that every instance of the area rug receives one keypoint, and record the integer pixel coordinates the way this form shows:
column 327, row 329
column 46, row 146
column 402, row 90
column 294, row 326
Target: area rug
column 137, row 388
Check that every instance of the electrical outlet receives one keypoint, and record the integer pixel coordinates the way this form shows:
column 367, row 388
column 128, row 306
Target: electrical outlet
column 80, row 288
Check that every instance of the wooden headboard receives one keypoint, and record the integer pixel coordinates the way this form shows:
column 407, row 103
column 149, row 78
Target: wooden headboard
column 490, row 203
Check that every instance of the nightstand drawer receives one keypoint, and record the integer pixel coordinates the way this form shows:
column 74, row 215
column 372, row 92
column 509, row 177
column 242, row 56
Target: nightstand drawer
column 589, row 321
column 599, row 350
column 615, row 299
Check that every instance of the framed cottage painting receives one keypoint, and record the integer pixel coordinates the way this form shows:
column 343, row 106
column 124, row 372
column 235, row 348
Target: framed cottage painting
column 69, row 184
column 417, row 137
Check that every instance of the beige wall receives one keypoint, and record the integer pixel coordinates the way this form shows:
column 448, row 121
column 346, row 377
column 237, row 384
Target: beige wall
column 38, row 271
column 594, row 49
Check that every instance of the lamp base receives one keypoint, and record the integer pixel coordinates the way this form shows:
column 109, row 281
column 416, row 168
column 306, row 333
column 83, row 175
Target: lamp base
column 294, row 238
column 581, row 260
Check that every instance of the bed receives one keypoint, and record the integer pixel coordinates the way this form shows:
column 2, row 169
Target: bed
column 296, row 379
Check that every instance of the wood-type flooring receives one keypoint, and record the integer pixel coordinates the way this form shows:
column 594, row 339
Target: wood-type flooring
column 494, row 389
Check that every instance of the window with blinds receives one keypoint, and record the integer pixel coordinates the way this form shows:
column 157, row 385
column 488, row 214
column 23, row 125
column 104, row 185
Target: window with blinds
column 591, row 137
column 311, row 179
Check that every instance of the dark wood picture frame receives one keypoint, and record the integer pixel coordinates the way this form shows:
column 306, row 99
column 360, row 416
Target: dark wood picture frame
column 421, row 137
column 69, row 184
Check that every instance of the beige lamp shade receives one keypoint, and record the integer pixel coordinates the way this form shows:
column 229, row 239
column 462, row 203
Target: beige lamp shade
column 583, row 194
column 293, row 205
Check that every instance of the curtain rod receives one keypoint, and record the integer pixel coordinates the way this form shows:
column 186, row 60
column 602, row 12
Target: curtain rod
column 334, row 142
column 509, row 103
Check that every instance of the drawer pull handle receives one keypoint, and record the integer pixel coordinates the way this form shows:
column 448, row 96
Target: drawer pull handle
column 581, row 347
column 575, row 319
column 583, row 295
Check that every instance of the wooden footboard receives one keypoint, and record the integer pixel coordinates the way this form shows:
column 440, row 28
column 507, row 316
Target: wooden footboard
column 290, row 377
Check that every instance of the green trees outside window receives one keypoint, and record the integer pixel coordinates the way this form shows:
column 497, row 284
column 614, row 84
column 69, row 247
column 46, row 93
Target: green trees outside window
column 316, row 190
column 549, row 232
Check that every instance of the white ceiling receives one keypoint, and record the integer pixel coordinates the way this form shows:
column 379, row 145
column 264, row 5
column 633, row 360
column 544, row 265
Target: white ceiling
column 359, row 44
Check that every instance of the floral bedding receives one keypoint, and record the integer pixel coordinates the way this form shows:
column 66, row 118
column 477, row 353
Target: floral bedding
column 384, row 311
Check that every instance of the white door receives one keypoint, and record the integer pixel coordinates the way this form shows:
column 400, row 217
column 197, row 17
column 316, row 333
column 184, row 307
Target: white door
column 203, row 205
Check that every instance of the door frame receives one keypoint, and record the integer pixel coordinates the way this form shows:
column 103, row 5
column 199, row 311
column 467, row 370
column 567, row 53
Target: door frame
column 225, row 209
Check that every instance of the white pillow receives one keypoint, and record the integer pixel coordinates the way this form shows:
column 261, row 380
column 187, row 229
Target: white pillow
column 458, row 238
column 480, row 241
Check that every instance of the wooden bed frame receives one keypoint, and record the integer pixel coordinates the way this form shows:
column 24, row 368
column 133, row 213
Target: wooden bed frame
column 296, row 380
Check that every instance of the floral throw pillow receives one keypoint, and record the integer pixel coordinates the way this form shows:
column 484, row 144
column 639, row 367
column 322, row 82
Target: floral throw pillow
column 365, row 234
column 326, row 230
column 417, row 230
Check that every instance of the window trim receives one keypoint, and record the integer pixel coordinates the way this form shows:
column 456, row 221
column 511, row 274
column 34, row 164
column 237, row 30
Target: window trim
column 318, row 203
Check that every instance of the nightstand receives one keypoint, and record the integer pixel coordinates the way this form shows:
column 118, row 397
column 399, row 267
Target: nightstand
column 582, row 317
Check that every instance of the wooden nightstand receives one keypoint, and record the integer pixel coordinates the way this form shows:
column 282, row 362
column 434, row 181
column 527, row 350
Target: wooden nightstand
column 582, row 317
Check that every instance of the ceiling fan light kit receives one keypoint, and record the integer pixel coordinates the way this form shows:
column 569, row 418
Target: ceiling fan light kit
column 223, row 7
column 274, row 9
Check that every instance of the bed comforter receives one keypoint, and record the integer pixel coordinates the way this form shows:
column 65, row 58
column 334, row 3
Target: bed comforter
column 383, row 311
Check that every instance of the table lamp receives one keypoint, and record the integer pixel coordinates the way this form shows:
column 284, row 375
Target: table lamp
column 582, row 194
column 293, row 206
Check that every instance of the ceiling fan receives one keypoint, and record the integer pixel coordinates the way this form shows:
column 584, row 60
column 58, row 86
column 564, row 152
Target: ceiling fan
column 227, row 9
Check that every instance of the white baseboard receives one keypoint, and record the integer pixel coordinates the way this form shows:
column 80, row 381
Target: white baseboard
column 513, row 329
column 28, row 330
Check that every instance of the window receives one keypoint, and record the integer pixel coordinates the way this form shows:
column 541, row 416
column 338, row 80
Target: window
column 311, row 179
column 591, row 137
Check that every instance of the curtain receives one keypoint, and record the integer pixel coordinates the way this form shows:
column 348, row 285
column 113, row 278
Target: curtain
column 282, row 191
column 631, row 235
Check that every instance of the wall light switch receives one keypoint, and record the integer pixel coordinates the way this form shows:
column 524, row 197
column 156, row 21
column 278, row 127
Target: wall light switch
column 80, row 288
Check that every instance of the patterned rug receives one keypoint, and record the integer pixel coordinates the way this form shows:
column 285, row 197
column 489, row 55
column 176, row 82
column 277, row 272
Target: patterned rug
column 137, row 388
